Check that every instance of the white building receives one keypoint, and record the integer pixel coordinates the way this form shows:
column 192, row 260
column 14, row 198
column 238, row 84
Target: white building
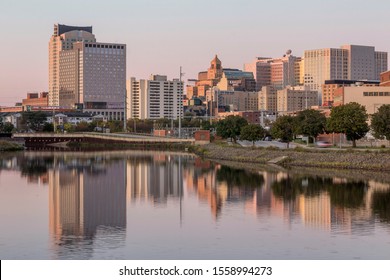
column 154, row 98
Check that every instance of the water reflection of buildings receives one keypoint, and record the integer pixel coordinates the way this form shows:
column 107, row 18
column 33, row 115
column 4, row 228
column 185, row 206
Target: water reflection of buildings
column 201, row 180
column 333, row 204
column 86, row 199
column 154, row 177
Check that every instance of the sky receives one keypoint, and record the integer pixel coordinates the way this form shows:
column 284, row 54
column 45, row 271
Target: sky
column 162, row 35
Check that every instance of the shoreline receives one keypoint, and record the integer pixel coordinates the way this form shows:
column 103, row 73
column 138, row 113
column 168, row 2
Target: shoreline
column 350, row 159
column 10, row 146
column 367, row 160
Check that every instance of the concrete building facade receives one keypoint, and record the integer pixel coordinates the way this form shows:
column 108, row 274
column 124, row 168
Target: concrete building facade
column 350, row 62
column 85, row 74
column 292, row 99
column 268, row 99
column 62, row 39
column 370, row 97
column 239, row 100
column 154, row 98
column 324, row 64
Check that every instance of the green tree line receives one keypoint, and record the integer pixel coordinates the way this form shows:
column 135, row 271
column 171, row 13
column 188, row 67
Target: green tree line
column 350, row 119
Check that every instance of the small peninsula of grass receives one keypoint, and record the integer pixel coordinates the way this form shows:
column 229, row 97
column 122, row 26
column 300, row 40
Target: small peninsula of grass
column 7, row 146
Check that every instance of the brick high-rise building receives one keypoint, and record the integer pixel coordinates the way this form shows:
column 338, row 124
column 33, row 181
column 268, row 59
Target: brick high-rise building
column 276, row 72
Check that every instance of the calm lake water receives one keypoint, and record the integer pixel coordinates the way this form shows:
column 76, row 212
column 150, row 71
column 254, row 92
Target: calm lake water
column 156, row 205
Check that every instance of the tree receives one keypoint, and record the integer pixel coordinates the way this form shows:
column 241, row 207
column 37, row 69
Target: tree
column 68, row 127
column 310, row 122
column 252, row 132
column 115, row 126
column 6, row 127
column 380, row 122
column 283, row 129
column 83, row 127
column 350, row 119
column 34, row 120
column 230, row 127
column 48, row 127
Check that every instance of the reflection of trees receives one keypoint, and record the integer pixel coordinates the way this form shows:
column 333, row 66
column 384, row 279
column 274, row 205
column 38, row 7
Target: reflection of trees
column 381, row 205
column 348, row 194
column 35, row 166
column 239, row 177
column 291, row 187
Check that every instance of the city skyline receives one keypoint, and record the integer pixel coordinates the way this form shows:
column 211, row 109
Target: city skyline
column 189, row 37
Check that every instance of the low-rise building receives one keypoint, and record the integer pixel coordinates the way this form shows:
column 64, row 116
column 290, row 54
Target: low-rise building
column 297, row 98
column 239, row 100
column 370, row 97
column 385, row 79
column 268, row 99
column 35, row 99
column 330, row 86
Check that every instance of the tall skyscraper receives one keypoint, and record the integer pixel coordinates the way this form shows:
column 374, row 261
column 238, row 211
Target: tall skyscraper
column 85, row 73
column 350, row 62
column 62, row 39
column 154, row 98
column 324, row 64
column 364, row 63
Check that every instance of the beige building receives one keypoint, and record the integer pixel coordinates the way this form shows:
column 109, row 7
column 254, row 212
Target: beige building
column 370, row 97
column 62, row 39
column 239, row 100
column 350, row 62
column 154, row 98
column 298, row 98
column 86, row 74
column 324, row 64
column 329, row 88
column 236, row 80
column 268, row 99
column 206, row 79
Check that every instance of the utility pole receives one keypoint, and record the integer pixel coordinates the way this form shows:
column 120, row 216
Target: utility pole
column 180, row 100
column 124, row 114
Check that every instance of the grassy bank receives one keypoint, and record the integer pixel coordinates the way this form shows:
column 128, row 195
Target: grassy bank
column 127, row 146
column 344, row 159
column 6, row 146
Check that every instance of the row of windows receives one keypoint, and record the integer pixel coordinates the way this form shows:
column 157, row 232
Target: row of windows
column 376, row 93
column 104, row 46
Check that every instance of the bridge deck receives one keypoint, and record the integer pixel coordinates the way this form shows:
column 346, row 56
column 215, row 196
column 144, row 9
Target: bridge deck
column 59, row 137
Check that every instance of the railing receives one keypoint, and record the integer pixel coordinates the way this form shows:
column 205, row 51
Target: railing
column 108, row 136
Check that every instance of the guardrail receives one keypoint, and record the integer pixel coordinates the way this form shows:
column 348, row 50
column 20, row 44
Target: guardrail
column 105, row 136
